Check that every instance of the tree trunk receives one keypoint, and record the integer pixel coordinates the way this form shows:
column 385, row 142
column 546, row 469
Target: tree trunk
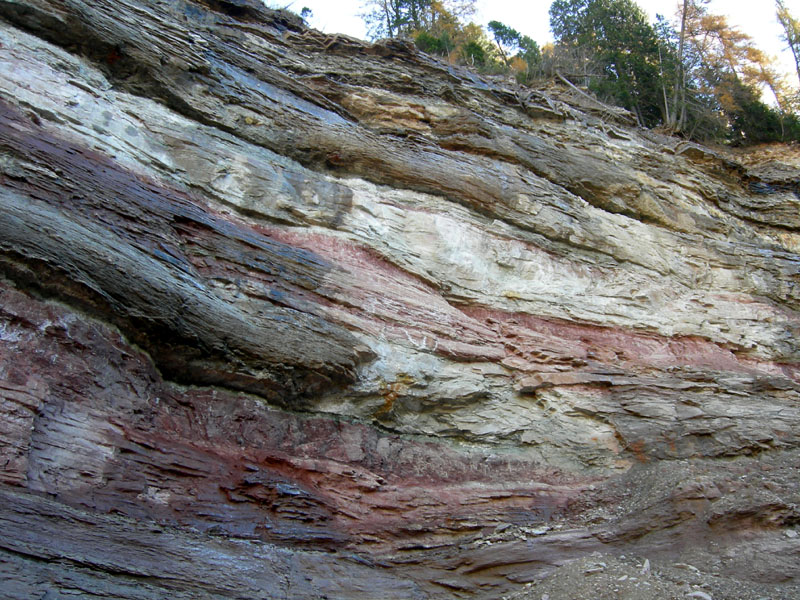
column 679, row 91
column 792, row 32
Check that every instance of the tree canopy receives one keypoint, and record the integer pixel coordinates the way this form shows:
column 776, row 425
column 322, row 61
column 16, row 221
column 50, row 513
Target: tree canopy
column 701, row 80
column 696, row 76
column 621, row 51
column 526, row 56
column 404, row 18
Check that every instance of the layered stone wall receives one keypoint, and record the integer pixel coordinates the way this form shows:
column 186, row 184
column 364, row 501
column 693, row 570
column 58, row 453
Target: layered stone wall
column 292, row 315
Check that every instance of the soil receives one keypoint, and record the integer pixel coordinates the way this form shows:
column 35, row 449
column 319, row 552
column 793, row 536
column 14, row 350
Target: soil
column 607, row 577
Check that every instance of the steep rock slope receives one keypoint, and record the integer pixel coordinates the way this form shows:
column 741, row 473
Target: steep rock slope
column 293, row 315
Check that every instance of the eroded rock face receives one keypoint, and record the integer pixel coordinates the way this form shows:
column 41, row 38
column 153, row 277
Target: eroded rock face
column 292, row 315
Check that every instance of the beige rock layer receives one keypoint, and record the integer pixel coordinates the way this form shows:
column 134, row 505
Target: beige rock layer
column 278, row 292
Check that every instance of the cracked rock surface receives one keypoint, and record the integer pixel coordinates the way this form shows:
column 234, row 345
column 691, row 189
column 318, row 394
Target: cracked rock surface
column 292, row 315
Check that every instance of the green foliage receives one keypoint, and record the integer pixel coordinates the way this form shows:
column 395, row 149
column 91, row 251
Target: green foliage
column 700, row 81
column 394, row 18
column 624, row 52
column 750, row 120
column 440, row 45
column 528, row 55
column 437, row 28
column 407, row 18
column 503, row 34
column 566, row 20
column 474, row 53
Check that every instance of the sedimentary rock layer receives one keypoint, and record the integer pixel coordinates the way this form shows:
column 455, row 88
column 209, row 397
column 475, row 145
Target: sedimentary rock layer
column 285, row 314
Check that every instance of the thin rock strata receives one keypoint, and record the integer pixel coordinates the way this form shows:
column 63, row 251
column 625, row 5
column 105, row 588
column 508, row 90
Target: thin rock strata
column 291, row 315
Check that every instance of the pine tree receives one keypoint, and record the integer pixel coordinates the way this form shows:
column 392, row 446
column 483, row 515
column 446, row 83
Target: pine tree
column 527, row 57
column 623, row 46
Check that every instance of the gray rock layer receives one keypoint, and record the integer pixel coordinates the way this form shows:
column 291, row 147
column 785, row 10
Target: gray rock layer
column 291, row 315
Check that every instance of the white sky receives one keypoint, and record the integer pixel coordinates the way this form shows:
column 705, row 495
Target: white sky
column 531, row 18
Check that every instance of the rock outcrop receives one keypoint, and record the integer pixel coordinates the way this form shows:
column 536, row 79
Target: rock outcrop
column 291, row 315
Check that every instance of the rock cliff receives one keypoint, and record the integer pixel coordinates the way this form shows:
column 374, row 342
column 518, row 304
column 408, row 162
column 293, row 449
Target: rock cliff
column 292, row 315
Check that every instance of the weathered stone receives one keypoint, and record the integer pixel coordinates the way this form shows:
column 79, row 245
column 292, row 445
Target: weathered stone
column 292, row 315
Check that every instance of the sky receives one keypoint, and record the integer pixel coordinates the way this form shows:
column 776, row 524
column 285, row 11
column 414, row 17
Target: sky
column 531, row 18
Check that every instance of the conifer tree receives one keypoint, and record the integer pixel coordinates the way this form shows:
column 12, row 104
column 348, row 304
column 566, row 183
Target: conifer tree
column 616, row 34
